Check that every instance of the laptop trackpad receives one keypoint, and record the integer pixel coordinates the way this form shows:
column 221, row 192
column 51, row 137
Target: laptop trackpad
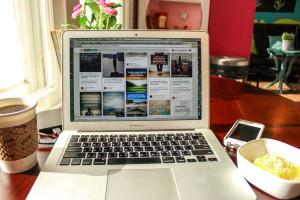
column 137, row 184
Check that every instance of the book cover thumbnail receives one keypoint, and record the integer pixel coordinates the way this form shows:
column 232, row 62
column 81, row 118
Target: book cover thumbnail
column 114, row 104
column 136, row 104
column 113, row 65
column 90, row 62
column 181, row 64
column 90, row 103
column 159, row 107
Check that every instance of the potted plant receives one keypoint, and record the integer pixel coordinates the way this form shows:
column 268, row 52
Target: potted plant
column 102, row 16
column 287, row 39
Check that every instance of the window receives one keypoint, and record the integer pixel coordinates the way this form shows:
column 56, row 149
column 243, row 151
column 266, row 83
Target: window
column 11, row 53
column 28, row 63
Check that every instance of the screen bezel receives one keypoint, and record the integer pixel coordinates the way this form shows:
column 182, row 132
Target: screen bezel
column 134, row 125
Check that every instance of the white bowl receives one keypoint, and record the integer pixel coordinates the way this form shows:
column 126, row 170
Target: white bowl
column 269, row 183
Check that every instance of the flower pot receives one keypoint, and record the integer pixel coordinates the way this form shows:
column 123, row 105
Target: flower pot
column 286, row 45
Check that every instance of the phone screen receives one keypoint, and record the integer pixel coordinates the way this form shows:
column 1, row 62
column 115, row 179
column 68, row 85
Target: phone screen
column 245, row 132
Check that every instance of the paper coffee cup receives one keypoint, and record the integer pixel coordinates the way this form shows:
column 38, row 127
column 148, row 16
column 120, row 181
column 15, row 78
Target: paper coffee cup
column 18, row 134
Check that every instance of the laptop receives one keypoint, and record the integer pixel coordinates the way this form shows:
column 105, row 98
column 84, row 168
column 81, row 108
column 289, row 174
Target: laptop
column 136, row 121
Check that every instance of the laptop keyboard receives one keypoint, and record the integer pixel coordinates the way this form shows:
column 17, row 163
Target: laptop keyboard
column 137, row 149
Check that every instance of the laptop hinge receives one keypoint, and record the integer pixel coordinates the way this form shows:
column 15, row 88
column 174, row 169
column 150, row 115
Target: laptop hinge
column 167, row 130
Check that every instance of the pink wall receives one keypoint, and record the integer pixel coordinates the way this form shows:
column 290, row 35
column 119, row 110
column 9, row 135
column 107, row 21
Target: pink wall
column 231, row 26
column 153, row 7
column 230, row 22
column 174, row 10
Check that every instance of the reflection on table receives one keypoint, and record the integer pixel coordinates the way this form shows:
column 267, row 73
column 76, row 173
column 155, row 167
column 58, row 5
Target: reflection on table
column 229, row 100
column 284, row 70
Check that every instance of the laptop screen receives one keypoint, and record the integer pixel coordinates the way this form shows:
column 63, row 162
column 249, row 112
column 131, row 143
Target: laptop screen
column 138, row 79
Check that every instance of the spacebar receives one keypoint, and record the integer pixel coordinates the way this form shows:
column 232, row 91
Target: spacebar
column 123, row 161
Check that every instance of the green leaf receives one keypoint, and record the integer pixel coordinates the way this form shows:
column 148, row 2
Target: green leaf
column 83, row 21
column 84, row 8
column 93, row 18
column 115, row 5
column 94, row 7
column 102, row 26
column 117, row 26
column 104, row 17
column 112, row 21
column 69, row 25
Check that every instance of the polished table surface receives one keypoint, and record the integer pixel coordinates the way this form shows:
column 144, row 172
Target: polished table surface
column 230, row 100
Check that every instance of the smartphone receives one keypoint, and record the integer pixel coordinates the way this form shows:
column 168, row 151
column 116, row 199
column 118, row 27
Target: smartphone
column 242, row 132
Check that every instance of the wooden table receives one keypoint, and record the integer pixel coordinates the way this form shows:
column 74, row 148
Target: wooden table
column 230, row 100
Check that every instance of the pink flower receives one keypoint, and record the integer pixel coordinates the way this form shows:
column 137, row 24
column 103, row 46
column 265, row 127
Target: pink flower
column 111, row 11
column 103, row 3
column 77, row 7
column 76, row 13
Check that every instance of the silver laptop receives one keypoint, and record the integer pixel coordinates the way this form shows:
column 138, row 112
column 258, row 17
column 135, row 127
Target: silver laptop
column 136, row 121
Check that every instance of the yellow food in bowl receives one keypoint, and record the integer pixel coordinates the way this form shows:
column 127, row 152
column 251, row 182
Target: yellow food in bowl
column 278, row 166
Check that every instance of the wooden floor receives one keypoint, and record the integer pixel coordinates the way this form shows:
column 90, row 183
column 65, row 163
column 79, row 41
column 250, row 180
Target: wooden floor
column 286, row 92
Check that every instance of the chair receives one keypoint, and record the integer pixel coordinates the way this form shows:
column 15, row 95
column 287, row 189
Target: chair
column 261, row 70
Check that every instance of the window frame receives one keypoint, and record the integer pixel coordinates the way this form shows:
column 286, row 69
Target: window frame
column 41, row 70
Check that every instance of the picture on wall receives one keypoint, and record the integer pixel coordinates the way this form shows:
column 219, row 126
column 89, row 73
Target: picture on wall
column 275, row 6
